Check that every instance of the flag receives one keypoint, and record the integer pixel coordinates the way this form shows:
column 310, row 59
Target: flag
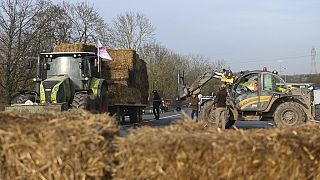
column 102, row 51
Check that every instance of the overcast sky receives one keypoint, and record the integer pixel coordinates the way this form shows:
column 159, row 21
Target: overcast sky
column 247, row 34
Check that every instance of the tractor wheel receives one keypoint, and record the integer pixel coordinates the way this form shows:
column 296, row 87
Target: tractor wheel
column 25, row 97
column 81, row 101
column 103, row 100
column 289, row 114
column 207, row 115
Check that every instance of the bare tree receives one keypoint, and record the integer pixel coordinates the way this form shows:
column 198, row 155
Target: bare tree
column 17, row 31
column 131, row 31
column 87, row 24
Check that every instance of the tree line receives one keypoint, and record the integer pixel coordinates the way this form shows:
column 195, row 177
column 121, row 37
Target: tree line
column 28, row 27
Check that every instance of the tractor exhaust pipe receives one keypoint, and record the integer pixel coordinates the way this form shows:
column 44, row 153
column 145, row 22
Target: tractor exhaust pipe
column 38, row 78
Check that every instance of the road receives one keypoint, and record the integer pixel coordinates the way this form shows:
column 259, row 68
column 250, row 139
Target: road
column 168, row 118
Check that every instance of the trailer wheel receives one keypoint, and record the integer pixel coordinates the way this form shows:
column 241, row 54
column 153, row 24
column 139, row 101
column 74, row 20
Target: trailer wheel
column 81, row 101
column 133, row 115
column 25, row 97
column 289, row 114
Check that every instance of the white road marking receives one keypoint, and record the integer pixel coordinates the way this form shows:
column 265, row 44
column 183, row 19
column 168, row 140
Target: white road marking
column 170, row 116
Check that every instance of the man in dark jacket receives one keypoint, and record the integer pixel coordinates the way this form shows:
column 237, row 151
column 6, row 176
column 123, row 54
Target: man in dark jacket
column 193, row 103
column 156, row 104
column 221, row 107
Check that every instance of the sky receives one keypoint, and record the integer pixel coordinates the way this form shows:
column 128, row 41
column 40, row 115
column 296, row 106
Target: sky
column 246, row 34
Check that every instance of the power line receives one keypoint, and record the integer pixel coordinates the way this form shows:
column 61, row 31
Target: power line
column 270, row 59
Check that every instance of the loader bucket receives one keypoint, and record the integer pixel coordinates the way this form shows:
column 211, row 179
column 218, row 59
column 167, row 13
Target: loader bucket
column 38, row 108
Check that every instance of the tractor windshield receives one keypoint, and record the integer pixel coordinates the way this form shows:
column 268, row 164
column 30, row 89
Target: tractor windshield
column 64, row 66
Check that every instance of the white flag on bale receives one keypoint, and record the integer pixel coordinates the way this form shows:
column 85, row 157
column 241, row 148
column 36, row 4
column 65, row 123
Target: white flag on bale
column 102, row 51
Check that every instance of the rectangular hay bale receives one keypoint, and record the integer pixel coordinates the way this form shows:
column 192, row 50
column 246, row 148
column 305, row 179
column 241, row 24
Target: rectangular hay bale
column 78, row 47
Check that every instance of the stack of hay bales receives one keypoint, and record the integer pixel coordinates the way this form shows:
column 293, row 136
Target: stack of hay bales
column 78, row 47
column 189, row 151
column 72, row 145
column 129, row 74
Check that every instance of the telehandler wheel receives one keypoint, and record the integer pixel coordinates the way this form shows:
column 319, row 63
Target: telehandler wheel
column 207, row 116
column 289, row 114
column 25, row 97
column 81, row 101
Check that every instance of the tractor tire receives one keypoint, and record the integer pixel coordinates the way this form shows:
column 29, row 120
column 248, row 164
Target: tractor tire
column 102, row 107
column 25, row 97
column 289, row 114
column 82, row 101
column 207, row 115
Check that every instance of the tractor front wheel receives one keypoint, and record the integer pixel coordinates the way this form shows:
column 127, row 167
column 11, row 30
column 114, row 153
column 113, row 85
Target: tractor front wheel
column 289, row 114
column 81, row 101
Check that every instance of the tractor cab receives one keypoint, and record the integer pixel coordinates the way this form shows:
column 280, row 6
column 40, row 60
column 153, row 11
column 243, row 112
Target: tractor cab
column 79, row 67
column 254, row 90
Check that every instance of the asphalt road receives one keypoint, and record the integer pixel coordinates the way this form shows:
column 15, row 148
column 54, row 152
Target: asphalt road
column 168, row 118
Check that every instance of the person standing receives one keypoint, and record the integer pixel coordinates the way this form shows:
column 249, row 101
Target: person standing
column 193, row 103
column 156, row 104
column 221, row 107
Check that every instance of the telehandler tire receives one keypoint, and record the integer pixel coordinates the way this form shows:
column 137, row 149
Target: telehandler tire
column 207, row 115
column 289, row 114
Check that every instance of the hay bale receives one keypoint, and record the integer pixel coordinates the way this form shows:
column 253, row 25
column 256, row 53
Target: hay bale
column 122, row 94
column 71, row 145
column 122, row 59
column 78, row 47
column 130, row 73
column 189, row 151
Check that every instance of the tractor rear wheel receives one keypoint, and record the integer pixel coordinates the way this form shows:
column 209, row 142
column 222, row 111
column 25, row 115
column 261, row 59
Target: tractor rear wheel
column 81, row 101
column 289, row 114
column 103, row 100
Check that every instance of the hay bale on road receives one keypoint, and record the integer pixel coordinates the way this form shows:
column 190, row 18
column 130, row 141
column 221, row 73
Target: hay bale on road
column 71, row 145
column 189, row 151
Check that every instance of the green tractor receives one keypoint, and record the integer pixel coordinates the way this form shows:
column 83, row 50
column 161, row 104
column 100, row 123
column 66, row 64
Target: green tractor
column 66, row 80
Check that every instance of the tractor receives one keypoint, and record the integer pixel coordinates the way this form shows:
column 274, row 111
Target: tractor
column 66, row 80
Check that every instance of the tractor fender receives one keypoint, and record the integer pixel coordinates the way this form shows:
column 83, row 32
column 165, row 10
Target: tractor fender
column 96, row 86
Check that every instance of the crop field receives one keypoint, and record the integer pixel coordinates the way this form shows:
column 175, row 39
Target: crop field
column 81, row 145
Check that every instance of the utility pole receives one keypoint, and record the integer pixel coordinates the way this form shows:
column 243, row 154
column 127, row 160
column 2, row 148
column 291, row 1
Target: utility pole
column 313, row 68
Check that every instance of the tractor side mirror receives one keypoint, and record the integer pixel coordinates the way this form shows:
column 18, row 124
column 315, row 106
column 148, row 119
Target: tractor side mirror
column 81, row 65
column 29, row 66
column 46, row 66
